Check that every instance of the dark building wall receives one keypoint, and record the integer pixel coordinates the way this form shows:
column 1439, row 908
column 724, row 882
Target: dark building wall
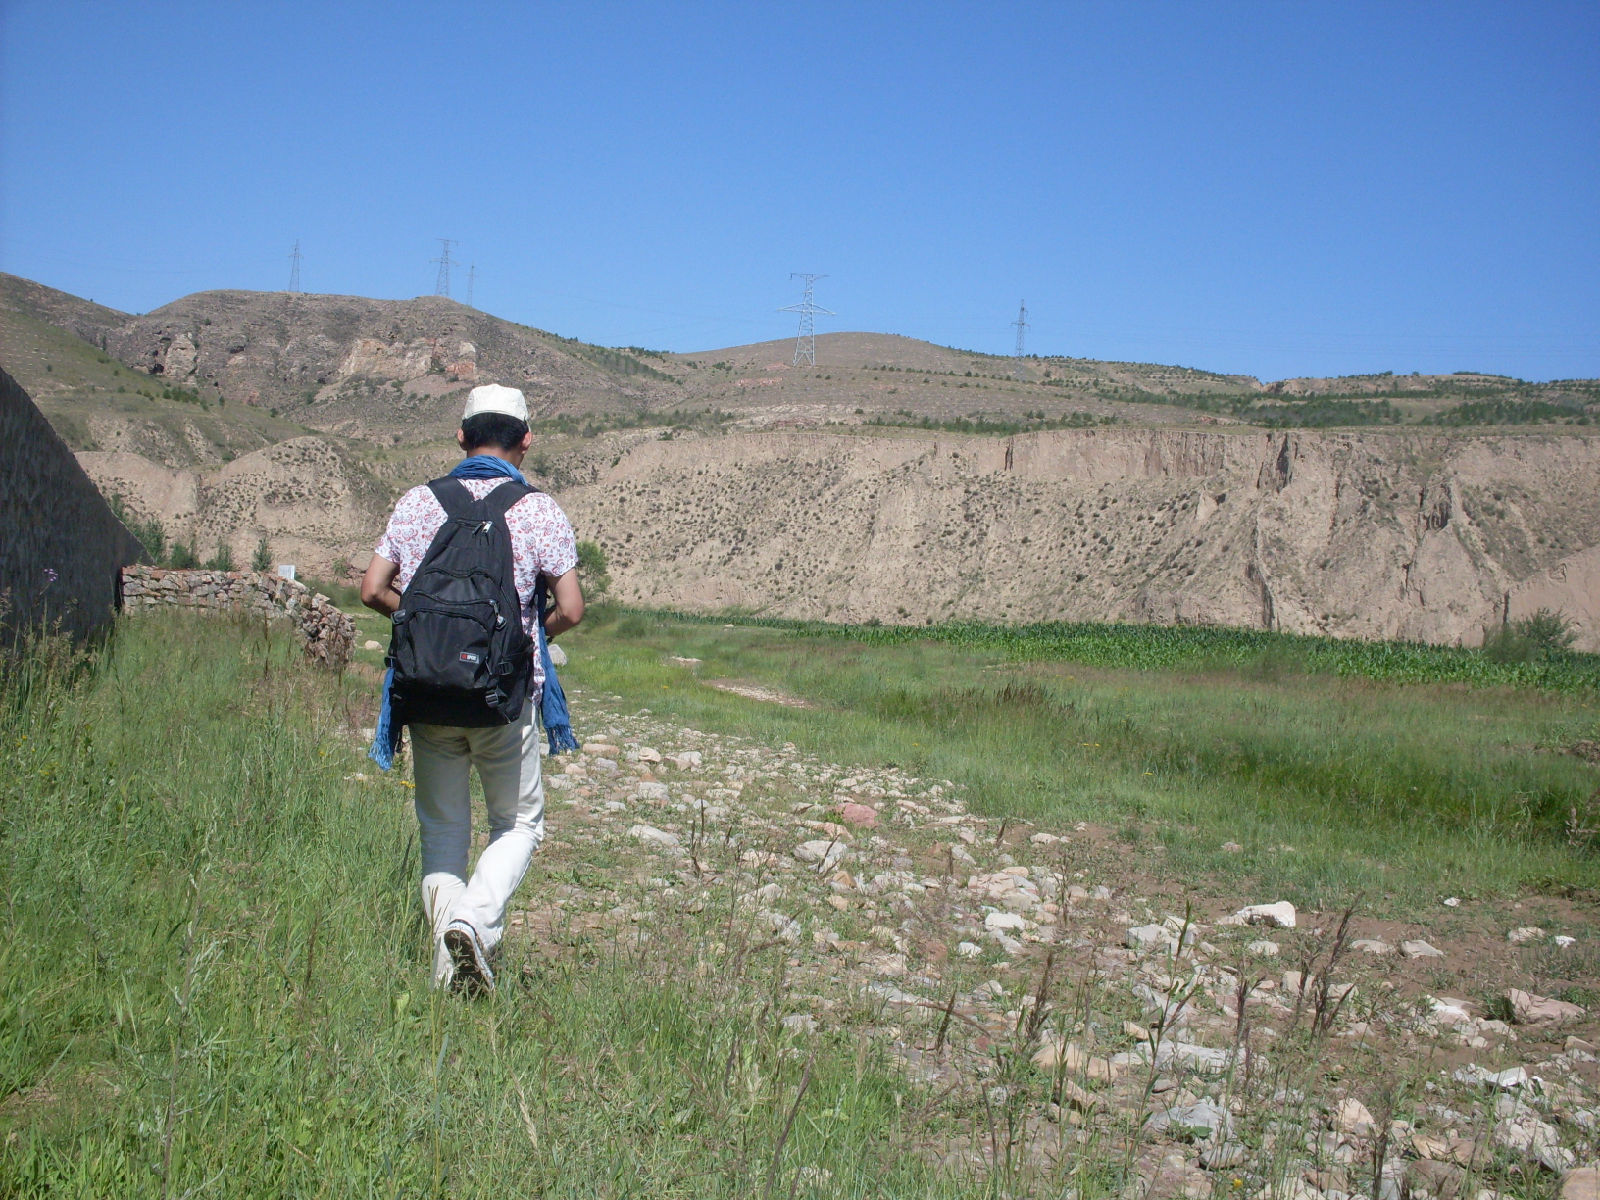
column 61, row 549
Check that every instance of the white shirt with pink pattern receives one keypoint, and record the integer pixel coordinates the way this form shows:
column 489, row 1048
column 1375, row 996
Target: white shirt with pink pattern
column 542, row 543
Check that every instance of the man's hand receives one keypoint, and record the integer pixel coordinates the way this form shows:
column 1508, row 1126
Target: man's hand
column 377, row 586
column 568, row 609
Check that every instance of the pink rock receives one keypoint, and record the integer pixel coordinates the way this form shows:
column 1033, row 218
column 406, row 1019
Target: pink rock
column 1538, row 1010
column 857, row 814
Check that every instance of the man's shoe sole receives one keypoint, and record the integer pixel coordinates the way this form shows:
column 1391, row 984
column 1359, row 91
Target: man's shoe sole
column 472, row 975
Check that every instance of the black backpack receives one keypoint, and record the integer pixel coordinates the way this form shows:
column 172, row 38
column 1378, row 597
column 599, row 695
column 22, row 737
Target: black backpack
column 459, row 652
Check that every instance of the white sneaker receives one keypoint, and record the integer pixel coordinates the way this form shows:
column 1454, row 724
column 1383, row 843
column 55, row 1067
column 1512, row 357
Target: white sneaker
column 472, row 973
column 444, row 966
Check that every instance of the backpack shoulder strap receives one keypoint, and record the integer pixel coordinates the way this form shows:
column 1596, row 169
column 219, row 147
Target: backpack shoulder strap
column 500, row 501
column 458, row 503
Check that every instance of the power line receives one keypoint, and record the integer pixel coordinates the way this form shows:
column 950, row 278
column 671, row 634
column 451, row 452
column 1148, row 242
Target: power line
column 294, row 267
column 442, row 286
column 805, row 345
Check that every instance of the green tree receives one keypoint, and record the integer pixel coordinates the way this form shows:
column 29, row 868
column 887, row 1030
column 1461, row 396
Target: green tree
column 261, row 560
column 592, row 573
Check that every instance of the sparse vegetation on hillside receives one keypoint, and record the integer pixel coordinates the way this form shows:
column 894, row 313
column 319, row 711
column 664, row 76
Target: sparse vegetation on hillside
column 595, row 424
column 1512, row 412
column 1030, row 422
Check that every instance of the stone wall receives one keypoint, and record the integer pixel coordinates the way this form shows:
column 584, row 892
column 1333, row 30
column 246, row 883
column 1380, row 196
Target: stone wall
column 63, row 548
column 327, row 633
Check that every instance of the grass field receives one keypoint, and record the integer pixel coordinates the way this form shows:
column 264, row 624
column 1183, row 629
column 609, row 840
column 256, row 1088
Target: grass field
column 213, row 976
column 213, row 979
column 1393, row 771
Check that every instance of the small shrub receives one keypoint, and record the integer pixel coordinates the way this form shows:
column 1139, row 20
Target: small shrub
column 183, row 556
column 223, row 559
column 151, row 534
column 1531, row 638
column 261, row 560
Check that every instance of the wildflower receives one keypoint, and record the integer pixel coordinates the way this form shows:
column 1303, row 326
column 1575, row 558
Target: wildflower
column 50, row 575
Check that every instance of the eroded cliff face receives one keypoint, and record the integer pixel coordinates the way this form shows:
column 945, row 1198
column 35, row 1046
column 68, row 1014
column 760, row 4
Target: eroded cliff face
column 1392, row 535
column 304, row 496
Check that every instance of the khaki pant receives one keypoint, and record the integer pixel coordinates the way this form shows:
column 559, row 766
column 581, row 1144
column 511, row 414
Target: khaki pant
column 507, row 760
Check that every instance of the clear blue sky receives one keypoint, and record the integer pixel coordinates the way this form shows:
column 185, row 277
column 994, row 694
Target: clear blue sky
column 1272, row 188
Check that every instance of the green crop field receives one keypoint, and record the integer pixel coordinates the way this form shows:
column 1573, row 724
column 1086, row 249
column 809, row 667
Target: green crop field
column 1393, row 770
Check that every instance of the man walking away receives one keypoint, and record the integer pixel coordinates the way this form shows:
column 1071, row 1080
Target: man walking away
column 467, row 914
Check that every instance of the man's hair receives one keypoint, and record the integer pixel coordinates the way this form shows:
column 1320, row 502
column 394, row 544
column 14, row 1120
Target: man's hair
column 493, row 429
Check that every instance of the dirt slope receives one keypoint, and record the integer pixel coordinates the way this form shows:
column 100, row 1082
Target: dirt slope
column 1366, row 535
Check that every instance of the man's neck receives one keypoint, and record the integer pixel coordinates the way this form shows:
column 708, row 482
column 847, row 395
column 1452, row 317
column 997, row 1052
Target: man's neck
column 513, row 457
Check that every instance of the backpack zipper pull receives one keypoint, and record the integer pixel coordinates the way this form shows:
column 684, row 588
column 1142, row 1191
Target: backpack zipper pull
column 485, row 527
column 498, row 619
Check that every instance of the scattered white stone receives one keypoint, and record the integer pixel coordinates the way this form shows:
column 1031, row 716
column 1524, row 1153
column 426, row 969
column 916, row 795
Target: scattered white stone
column 1452, row 902
column 1175, row 1054
column 558, row 656
column 1524, row 933
column 1527, row 1135
column 1150, row 937
column 689, row 760
column 969, row 950
column 889, row 992
column 1582, row 1184
column 800, row 1023
column 783, row 925
column 1372, row 946
column 1449, row 1011
column 1222, row 1155
column 1262, row 948
column 1005, row 920
column 1473, row 1075
column 1232, row 848
column 651, row 789
column 1529, row 1009
column 1417, row 948
column 1354, row 1118
column 826, row 853
column 653, row 836
column 369, row 644
column 1562, row 941
column 649, row 754
column 1280, row 915
column 1201, row 1121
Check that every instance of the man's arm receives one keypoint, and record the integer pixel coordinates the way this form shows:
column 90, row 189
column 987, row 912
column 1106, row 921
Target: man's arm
column 377, row 586
column 568, row 608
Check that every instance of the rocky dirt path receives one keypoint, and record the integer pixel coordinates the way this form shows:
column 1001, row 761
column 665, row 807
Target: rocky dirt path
column 1050, row 988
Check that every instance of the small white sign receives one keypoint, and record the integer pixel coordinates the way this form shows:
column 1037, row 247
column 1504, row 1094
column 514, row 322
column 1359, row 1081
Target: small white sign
column 286, row 570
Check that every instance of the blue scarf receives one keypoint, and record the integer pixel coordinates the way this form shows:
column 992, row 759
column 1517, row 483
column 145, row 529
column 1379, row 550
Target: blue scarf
column 553, row 707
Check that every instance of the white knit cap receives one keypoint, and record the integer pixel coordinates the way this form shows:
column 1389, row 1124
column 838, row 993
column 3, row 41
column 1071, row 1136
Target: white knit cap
column 496, row 398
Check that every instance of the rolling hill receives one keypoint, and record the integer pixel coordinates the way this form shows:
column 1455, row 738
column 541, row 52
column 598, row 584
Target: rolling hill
column 896, row 480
